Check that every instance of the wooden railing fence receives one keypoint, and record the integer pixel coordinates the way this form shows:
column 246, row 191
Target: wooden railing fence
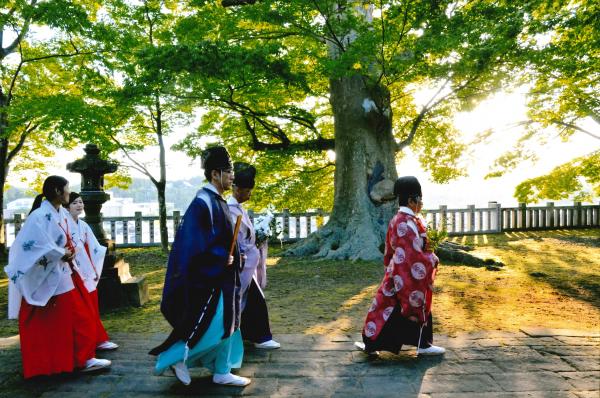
column 142, row 231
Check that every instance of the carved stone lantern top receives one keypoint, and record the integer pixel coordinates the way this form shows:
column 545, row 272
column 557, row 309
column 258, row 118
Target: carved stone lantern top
column 92, row 169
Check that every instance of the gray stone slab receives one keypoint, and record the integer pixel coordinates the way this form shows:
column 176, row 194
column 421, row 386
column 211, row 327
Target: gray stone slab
column 583, row 380
column 409, row 369
column 579, row 341
column 261, row 387
column 284, row 370
column 537, row 341
column 462, row 341
column 532, row 381
column 142, row 384
column 500, row 353
column 295, row 341
column 547, row 362
column 489, row 343
column 312, row 357
column 382, row 395
column 61, row 394
column 487, row 334
column 569, row 350
column 260, row 356
column 322, row 386
column 539, row 332
column 390, row 386
column 465, row 367
column 587, row 394
column 457, row 383
column 583, row 363
column 528, row 394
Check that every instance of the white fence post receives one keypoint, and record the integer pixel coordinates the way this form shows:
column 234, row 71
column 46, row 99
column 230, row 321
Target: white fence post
column 471, row 209
column 443, row 217
column 138, row 227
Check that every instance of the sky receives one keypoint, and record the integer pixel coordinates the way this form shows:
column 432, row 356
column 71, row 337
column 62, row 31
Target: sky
column 498, row 112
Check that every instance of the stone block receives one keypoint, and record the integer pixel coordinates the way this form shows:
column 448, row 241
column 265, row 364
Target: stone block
column 136, row 290
column 583, row 381
column 457, row 383
column 563, row 350
column 540, row 332
column 586, row 363
column 531, row 381
column 528, row 394
column 321, row 386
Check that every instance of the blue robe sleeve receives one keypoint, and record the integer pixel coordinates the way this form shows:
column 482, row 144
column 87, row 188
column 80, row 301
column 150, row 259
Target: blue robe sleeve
column 196, row 264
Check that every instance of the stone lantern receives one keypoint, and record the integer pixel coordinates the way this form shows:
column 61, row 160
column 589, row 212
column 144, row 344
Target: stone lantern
column 116, row 287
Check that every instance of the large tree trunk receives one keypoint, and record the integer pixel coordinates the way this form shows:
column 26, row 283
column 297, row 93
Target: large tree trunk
column 3, row 174
column 160, row 186
column 3, row 166
column 365, row 164
column 162, row 216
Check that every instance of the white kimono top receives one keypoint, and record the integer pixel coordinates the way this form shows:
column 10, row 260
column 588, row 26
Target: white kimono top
column 35, row 269
column 254, row 266
column 89, row 253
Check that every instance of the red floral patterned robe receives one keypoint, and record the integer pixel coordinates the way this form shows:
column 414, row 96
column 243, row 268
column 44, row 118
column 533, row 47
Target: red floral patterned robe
column 410, row 269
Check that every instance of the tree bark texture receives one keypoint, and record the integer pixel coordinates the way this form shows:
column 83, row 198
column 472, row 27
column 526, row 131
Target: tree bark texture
column 160, row 186
column 365, row 155
column 4, row 165
column 162, row 211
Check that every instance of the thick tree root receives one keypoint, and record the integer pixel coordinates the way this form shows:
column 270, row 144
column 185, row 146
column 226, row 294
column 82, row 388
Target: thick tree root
column 449, row 251
column 336, row 243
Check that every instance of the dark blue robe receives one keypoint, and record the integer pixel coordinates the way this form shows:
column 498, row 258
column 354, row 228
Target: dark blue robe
column 197, row 273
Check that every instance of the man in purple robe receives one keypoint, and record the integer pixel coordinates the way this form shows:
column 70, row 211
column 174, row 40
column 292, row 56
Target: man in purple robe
column 255, row 316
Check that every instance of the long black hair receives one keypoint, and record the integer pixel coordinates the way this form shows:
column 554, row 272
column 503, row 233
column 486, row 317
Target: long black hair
column 72, row 197
column 51, row 185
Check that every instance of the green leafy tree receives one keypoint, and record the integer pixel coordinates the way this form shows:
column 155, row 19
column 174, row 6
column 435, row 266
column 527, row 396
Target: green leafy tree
column 349, row 72
column 578, row 179
column 39, row 98
column 561, row 51
column 143, row 112
column 287, row 81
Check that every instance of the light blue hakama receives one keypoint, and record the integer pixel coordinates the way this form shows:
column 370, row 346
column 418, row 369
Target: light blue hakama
column 212, row 351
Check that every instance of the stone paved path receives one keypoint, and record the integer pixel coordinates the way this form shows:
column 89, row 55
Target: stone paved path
column 531, row 363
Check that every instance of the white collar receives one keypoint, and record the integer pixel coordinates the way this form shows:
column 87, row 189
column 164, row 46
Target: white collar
column 212, row 188
column 406, row 210
column 49, row 207
column 233, row 201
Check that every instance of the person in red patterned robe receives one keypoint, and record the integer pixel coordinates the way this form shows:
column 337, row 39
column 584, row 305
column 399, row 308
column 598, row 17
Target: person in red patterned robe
column 400, row 313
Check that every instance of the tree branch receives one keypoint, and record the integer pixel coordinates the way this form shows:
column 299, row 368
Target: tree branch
column 575, row 127
column 415, row 125
column 231, row 3
column 28, row 130
column 64, row 55
column 12, row 82
column 11, row 47
column 564, row 124
column 135, row 164
column 329, row 27
column 319, row 144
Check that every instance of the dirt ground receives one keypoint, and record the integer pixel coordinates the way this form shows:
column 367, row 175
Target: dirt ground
column 549, row 279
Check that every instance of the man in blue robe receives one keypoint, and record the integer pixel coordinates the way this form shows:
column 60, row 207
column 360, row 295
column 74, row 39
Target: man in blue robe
column 201, row 297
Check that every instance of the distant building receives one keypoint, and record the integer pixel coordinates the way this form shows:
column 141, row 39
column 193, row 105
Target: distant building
column 17, row 206
column 126, row 207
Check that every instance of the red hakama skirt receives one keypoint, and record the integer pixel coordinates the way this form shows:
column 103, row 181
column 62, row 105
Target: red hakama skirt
column 101, row 335
column 61, row 336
